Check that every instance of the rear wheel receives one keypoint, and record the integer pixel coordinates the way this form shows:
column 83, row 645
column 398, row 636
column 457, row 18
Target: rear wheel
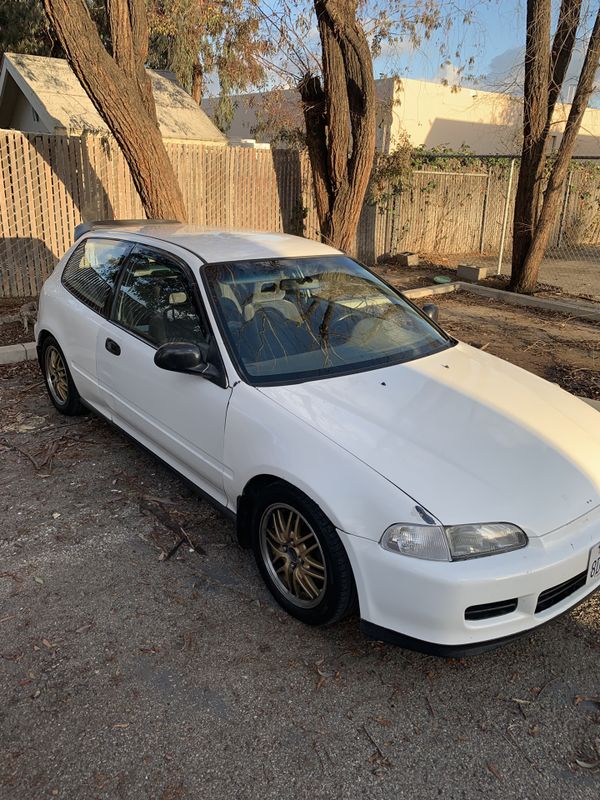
column 301, row 557
column 59, row 382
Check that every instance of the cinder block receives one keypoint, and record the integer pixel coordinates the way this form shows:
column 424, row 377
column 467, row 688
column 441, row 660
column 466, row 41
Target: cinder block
column 471, row 273
column 30, row 351
column 408, row 259
column 12, row 353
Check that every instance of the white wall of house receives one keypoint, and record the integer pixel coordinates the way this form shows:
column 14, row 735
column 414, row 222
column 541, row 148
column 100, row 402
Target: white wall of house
column 434, row 115
column 430, row 114
column 24, row 117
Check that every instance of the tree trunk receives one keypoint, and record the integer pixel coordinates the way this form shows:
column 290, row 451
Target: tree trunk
column 535, row 113
column 339, row 114
column 528, row 274
column 545, row 70
column 120, row 89
column 197, row 82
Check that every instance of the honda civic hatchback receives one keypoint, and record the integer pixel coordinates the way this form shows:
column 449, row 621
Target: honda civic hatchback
column 371, row 461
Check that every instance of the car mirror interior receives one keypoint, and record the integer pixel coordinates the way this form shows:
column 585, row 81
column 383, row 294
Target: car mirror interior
column 432, row 311
column 184, row 357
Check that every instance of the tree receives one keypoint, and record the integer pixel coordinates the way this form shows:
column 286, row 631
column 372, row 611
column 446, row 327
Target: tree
column 546, row 64
column 24, row 28
column 339, row 113
column 120, row 89
column 198, row 38
column 337, row 87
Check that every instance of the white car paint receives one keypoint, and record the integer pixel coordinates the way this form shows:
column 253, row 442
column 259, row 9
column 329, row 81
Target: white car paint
column 470, row 436
column 462, row 434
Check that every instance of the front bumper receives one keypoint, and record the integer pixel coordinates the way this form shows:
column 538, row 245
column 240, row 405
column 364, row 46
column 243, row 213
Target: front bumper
column 422, row 604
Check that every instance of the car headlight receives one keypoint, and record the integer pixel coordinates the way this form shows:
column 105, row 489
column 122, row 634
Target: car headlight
column 453, row 542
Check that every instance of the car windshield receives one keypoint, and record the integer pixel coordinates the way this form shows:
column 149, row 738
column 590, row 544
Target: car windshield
column 300, row 318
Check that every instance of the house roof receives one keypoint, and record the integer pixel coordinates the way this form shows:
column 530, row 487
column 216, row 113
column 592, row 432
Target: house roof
column 54, row 92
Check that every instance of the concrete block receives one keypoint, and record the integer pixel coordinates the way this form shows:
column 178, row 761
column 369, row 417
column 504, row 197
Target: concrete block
column 12, row 354
column 471, row 273
column 593, row 403
column 30, row 350
column 408, row 259
column 580, row 310
column 426, row 291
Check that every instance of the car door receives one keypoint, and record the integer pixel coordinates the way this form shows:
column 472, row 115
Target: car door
column 179, row 416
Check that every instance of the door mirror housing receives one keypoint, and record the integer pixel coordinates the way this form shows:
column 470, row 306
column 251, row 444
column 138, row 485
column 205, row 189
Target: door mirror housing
column 184, row 357
column 432, row 311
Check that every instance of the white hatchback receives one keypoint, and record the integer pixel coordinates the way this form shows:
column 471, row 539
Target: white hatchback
column 370, row 460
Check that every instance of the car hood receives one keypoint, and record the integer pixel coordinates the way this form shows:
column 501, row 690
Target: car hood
column 467, row 435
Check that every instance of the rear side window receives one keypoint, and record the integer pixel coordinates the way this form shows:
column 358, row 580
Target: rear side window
column 91, row 272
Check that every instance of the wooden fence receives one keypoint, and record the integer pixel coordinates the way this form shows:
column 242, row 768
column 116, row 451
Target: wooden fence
column 48, row 184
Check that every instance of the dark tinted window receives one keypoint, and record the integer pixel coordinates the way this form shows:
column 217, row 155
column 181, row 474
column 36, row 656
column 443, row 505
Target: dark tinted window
column 92, row 270
column 155, row 300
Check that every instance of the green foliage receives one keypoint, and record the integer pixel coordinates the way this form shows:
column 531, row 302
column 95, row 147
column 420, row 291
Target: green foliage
column 25, row 29
column 393, row 173
column 223, row 37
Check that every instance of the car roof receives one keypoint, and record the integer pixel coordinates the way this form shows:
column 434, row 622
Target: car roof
column 215, row 245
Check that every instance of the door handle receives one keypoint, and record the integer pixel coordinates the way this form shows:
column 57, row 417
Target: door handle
column 112, row 347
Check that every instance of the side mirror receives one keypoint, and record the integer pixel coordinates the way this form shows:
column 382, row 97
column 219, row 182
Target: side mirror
column 432, row 311
column 184, row 357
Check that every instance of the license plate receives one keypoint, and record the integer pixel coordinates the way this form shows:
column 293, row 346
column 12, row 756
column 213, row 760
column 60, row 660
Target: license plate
column 594, row 564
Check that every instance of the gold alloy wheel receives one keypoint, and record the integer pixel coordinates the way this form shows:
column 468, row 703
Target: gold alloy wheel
column 56, row 375
column 293, row 555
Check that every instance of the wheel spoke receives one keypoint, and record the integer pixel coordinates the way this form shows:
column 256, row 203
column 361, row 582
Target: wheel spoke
column 312, row 563
column 317, row 575
column 272, row 536
column 309, row 588
column 305, row 538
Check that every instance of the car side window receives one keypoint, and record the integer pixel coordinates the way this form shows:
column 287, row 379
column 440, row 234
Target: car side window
column 155, row 300
column 91, row 271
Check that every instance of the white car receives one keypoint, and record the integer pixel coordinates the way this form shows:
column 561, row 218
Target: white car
column 371, row 460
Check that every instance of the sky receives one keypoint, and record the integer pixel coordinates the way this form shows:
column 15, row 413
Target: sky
column 496, row 41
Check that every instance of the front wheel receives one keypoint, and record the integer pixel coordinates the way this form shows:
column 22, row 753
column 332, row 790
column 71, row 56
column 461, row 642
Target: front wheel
column 301, row 558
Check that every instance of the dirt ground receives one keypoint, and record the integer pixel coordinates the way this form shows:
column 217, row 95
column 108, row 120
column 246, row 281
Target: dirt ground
column 14, row 332
column 564, row 280
column 127, row 675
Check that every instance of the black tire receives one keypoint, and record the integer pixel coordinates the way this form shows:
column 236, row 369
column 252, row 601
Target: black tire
column 63, row 394
column 337, row 597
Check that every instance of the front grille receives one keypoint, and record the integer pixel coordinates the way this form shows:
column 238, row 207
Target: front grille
column 550, row 597
column 489, row 610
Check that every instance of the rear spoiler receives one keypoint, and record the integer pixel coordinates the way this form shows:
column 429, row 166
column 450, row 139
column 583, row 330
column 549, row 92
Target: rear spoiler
column 85, row 227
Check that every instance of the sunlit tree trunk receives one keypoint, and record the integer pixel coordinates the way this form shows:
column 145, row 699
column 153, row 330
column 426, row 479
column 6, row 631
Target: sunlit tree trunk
column 554, row 191
column 545, row 69
column 339, row 112
column 121, row 91
column 197, row 82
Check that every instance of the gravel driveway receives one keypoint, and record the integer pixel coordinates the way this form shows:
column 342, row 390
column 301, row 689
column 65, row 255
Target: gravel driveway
column 124, row 674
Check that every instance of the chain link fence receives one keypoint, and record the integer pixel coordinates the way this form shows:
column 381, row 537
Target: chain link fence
column 468, row 216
